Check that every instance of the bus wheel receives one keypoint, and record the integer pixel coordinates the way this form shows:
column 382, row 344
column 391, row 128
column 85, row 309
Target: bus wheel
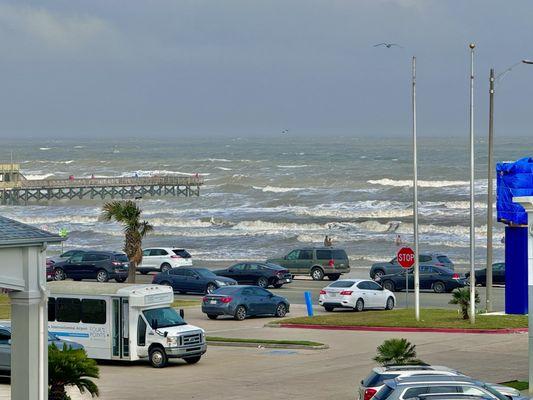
column 192, row 360
column 158, row 357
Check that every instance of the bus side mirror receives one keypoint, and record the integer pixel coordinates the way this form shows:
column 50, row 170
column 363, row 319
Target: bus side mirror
column 182, row 313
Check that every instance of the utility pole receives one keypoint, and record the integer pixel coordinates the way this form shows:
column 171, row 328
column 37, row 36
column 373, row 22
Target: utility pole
column 472, row 312
column 488, row 283
column 415, row 198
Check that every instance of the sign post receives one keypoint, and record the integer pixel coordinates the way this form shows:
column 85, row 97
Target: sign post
column 406, row 259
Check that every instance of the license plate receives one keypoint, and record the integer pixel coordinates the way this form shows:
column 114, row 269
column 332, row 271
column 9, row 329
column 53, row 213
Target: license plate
column 213, row 302
column 332, row 294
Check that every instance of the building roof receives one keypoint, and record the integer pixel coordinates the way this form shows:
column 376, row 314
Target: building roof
column 16, row 233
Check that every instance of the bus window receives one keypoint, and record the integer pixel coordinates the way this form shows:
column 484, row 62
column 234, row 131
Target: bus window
column 141, row 332
column 68, row 310
column 93, row 311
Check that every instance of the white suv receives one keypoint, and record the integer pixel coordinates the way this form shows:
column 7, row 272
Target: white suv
column 161, row 259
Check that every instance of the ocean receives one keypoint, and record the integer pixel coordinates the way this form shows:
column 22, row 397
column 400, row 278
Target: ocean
column 265, row 196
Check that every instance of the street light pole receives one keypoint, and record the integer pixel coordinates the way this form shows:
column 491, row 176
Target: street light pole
column 472, row 194
column 415, row 197
column 490, row 178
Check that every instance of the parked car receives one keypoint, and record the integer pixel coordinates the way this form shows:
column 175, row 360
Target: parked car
column 162, row 259
column 99, row 265
column 5, row 347
column 255, row 273
column 438, row 279
column 392, row 267
column 498, row 275
column 356, row 294
column 65, row 256
column 197, row 280
column 49, row 270
column 244, row 301
column 414, row 386
column 374, row 381
column 316, row 262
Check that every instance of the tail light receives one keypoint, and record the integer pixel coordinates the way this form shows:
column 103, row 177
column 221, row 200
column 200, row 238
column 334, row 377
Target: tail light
column 322, row 292
column 331, row 263
column 455, row 276
column 369, row 393
column 116, row 263
column 346, row 292
column 175, row 256
column 226, row 300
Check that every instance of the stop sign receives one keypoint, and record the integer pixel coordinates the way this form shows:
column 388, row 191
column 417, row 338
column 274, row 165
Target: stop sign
column 406, row 257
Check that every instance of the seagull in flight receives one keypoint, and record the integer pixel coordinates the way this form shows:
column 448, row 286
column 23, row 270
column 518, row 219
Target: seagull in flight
column 388, row 45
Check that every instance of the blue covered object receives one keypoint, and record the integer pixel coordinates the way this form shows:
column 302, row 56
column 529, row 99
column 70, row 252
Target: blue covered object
column 513, row 179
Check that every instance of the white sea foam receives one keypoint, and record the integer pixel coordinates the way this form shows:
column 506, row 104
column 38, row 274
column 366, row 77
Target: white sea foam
column 223, row 168
column 219, row 160
column 293, row 166
column 421, row 183
column 45, row 148
column 275, row 189
column 261, row 226
column 32, row 177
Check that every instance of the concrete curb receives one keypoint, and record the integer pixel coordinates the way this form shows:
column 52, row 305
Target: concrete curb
column 267, row 345
column 401, row 329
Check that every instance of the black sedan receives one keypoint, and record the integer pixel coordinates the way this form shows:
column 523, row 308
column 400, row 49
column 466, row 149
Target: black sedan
column 260, row 274
column 194, row 280
column 438, row 279
column 498, row 275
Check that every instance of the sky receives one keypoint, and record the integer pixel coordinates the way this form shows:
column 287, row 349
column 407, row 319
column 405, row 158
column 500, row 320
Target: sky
column 175, row 68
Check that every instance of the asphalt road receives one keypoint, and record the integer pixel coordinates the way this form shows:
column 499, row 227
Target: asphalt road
column 294, row 292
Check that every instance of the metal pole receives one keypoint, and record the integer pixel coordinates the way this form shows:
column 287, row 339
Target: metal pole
column 472, row 312
column 406, row 289
column 488, row 282
column 415, row 199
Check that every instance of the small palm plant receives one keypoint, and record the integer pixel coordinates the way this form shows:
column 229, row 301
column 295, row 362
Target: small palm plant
column 396, row 352
column 461, row 297
column 128, row 213
column 70, row 367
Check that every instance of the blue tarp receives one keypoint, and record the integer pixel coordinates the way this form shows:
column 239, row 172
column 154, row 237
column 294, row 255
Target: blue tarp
column 513, row 179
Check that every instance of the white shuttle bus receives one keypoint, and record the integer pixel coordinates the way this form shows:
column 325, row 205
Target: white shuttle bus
column 116, row 321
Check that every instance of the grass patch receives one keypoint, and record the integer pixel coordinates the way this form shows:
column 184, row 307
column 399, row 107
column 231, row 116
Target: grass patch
column 518, row 385
column 429, row 318
column 185, row 303
column 263, row 341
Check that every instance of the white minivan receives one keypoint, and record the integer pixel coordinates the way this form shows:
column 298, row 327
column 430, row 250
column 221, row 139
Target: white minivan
column 162, row 259
column 119, row 321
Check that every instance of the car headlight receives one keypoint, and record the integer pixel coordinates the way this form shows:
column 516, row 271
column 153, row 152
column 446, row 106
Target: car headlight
column 220, row 283
column 172, row 341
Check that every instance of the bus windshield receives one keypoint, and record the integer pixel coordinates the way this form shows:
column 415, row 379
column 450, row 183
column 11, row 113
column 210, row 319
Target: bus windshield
column 163, row 317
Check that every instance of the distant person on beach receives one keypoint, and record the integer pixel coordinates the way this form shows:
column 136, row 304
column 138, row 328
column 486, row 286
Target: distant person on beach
column 71, row 177
column 398, row 240
column 328, row 242
column 92, row 176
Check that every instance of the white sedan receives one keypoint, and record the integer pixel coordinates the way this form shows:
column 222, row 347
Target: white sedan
column 357, row 294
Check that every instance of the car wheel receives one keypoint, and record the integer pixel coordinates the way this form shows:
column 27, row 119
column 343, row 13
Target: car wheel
column 120, row 280
column 277, row 285
column 158, row 357
column 329, row 308
column 378, row 274
column 211, row 287
column 102, row 276
column 192, row 360
column 439, row 287
column 281, row 310
column 262, row 282
column 334, row 277
column 390, row 304
column 359, row 305
column 165, row 267
column 59, row 274
column 389, row 285
column 317, row 274
column 212, row 316
column 240, row 313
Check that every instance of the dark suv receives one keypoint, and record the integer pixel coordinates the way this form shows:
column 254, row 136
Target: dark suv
column 316, row 262
column 392, row 267
column 255, row 273
column 99, row 265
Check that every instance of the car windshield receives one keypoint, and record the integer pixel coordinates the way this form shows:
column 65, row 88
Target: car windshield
column 163, row 317
column 204, row 272
column 274, row 266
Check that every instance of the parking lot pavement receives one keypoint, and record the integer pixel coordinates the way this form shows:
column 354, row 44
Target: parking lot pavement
column 258, row 373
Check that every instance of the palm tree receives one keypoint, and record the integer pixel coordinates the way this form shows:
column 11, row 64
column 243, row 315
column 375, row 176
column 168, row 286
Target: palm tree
column 70, row 367
column 129, row 214
column 461, row 297
column 396, row 352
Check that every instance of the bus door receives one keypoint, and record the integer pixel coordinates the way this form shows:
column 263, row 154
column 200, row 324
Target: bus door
column 121, row 334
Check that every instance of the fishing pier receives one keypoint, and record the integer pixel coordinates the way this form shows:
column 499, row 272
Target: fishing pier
column 15, row 189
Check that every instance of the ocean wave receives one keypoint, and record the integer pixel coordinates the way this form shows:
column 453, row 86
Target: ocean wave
column 276, row 189
column 219, row 160
column 44, row 148
column 224, row 168
column 421, row 183
column 262, row 226
column 293, row 166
